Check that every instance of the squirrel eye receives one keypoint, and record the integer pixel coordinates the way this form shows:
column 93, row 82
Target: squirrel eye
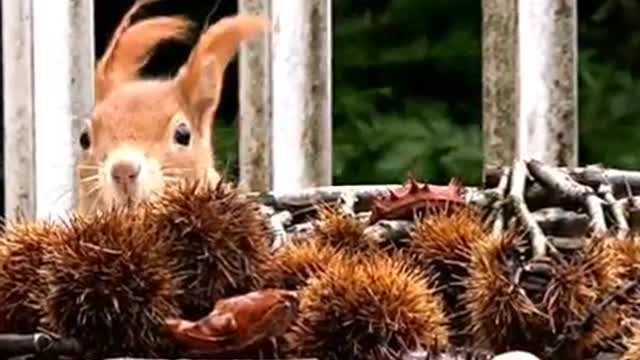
column 182, row 136
column 85, row 141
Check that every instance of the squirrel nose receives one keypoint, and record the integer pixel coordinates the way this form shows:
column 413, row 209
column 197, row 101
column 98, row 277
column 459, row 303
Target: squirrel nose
column 125, row 172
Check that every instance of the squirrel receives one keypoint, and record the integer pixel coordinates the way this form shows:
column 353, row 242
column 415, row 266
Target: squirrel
column 145, row 133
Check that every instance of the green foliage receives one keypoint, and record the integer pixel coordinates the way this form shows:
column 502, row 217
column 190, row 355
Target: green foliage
column 609, row 91
column 407, row 79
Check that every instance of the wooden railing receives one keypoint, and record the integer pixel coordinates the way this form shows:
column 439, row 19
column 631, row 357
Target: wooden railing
column 529, row 94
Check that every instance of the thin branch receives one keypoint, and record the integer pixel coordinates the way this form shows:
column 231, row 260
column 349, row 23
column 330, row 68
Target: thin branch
column 560, row 182
column 278, row 223
column 347, row 202
column 616, row 209
column 563, row 223
column 389, row 231
column 591, row 175
column 498, row 225
column 363, row 194
column 38, row 343
column 518, row 179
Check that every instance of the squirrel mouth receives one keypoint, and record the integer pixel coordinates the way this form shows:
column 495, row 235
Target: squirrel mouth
column 128, row 198
column 131, row 201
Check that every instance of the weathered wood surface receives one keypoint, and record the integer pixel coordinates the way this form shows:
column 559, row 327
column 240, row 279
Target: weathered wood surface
column 63, row 78
column 18, row 115
column 255, row 145
column 499, row 84
column 547, row 53
column 301, row 70
column 529, row 82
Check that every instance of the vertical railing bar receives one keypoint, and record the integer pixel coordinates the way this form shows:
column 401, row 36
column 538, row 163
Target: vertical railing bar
column 18, row 114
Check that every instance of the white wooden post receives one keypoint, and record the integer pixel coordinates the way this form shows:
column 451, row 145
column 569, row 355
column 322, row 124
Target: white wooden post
column 17, row 62
column 302, row 103
column 548, row 124
column 255, row 146
column 63, row 88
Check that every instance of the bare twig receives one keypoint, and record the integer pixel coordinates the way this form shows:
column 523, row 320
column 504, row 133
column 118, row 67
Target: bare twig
column 567, row 227
column 362, row 194
column 38, row 343
column 631, row 206
column 347, row 202
column 498, row 225
column 616, row 209
column 560, row 222
column 591, row 175
column 518, row 180
column 558, row 181
column 267, row 210
column 302, row 228
column 452, row 354
column 385, row 231
column 323, row 194
column 567, row 243
column 594, row 207
column 278, row 223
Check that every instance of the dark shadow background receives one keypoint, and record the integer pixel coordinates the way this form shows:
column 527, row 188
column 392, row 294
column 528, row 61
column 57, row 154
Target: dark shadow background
column 407, row 85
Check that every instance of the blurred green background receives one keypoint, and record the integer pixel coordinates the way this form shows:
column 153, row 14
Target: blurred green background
column 407, row 85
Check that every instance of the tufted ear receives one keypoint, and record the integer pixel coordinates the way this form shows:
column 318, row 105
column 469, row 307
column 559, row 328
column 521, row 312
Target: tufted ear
column 200, row 79
column 131, row 47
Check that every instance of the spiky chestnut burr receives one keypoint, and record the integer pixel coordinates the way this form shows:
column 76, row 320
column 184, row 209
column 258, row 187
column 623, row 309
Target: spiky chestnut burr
column 23, row 250
column 374, row 308
column 631, row 341
column 500, row 312
column 556, row 317
column 442, row 244
column 297, row 261
column 342, row 231
column 110, row 285
column 219, row 239
column 572, row 299
column 624, row 265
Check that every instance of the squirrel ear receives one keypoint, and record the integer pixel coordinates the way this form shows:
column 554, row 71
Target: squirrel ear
column 131, row 47
column 200, row 79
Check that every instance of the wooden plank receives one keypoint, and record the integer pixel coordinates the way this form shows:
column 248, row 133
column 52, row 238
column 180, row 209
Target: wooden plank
column 64, row 94
column 255, row 146
column 301, row 70
column 18, row 114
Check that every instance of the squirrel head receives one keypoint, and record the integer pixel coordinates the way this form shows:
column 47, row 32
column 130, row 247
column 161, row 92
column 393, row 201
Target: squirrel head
column 145, row 133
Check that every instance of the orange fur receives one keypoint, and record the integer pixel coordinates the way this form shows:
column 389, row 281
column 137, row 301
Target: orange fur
column 200, row 80
column 132, row 51
column 135, row 121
